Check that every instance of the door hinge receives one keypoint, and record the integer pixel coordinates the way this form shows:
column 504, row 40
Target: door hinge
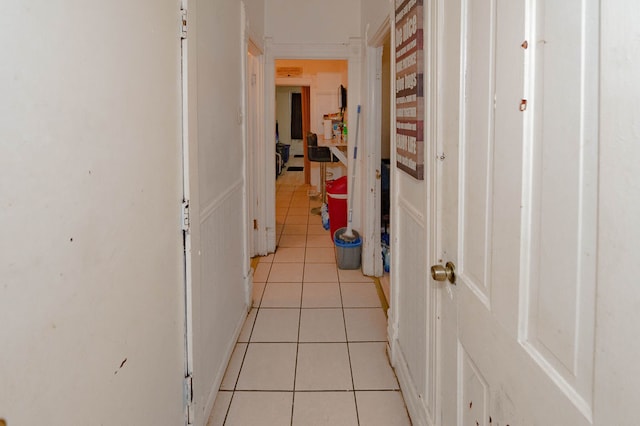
column 183, row 23
column 185, row 216
column 188, row 396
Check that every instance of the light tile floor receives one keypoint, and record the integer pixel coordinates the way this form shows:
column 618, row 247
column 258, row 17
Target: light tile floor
column 313, row 347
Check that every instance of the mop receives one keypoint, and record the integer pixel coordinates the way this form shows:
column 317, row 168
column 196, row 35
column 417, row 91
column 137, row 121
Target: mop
column 348, row 235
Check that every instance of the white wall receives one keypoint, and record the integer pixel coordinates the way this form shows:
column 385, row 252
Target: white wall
column 328, row 21
column 374, row 13
column 91, row 294
column 255, row 10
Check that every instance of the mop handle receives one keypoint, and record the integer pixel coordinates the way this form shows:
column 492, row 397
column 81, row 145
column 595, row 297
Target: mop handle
column 353, row 174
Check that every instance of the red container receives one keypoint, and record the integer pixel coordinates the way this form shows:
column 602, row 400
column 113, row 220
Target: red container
column 337, row 201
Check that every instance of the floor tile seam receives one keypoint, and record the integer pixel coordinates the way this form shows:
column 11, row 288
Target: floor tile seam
column 308, row 390
column 385, row 390
column 363, row 307
column 226, row 414
column 295, row 366
column 344, row 321
column 393, row 370
column 321, row 307
column 280, row 307
column 264, row 390
column 244, row 356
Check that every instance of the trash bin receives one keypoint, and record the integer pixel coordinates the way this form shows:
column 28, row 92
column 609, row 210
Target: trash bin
column 283, row 150
column 337, row 201
column 348, row 252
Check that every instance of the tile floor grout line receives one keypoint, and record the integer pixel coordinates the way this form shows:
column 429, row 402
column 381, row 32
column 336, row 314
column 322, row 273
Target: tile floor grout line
column 295, row 368
column 292, row 193
column 244, row 356
column 344, row 319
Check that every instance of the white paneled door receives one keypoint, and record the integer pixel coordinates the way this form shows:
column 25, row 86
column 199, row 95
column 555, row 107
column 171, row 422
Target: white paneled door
column 518, row 214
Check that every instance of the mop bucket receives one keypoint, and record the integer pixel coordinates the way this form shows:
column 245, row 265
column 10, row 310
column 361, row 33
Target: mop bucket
column 348, row 253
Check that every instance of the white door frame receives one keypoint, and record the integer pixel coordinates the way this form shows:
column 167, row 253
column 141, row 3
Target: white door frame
column 371, row 255
column 190, row 203
column 349, row 51
column 255, row 149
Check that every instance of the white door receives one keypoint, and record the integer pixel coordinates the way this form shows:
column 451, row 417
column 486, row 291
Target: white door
column 217, row 267
column 518, row 212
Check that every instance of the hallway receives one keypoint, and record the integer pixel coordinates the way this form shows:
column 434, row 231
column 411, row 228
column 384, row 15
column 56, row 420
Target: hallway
column 313, row 348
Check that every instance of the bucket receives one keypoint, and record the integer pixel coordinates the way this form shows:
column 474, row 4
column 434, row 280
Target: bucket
column 337, row 203
column 348, row 253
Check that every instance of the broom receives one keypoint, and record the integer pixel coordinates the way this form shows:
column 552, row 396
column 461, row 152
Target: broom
column 348, row 235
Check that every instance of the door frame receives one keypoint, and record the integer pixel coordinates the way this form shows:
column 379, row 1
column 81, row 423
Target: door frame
column 343, row 51
column 371, row 256
column 302, row 83
column 255, row 145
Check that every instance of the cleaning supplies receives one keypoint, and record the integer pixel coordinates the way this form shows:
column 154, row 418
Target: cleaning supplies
column 348, row 235
column 325, row 216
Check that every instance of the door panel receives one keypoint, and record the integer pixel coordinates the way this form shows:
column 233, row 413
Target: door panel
column 475, row 390
column 477, row 141
column 217, row 262
column 411, row 330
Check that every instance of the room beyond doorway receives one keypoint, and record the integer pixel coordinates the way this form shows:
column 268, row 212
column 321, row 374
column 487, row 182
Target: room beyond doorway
column 322, row 80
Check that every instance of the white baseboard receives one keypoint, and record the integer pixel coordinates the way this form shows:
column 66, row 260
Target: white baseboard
column 415, row 406
column 213, row 392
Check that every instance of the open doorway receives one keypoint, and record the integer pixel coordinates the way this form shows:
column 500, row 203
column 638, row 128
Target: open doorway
column 292, row 118
column 385, row 164
column 315, row 84
column 303, row 60
column 378, row 157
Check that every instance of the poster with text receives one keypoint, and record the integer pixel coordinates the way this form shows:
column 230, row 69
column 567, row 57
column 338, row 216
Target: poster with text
column 409, row 87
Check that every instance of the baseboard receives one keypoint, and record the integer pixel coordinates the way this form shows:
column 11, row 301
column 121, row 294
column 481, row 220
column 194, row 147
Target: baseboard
column 386, row 287
column 213, row 393
column 415, row 407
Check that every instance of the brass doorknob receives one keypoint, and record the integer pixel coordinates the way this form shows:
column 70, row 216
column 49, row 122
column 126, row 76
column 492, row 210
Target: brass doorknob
column 444, row 273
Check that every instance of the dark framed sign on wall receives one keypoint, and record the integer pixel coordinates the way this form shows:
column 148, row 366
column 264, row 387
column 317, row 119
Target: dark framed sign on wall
column 409, row 43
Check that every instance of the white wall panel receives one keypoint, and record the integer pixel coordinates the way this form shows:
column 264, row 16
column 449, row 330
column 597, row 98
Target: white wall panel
column 416, row 328
column 222, row 293
column 219, row 97
column 328, row 21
